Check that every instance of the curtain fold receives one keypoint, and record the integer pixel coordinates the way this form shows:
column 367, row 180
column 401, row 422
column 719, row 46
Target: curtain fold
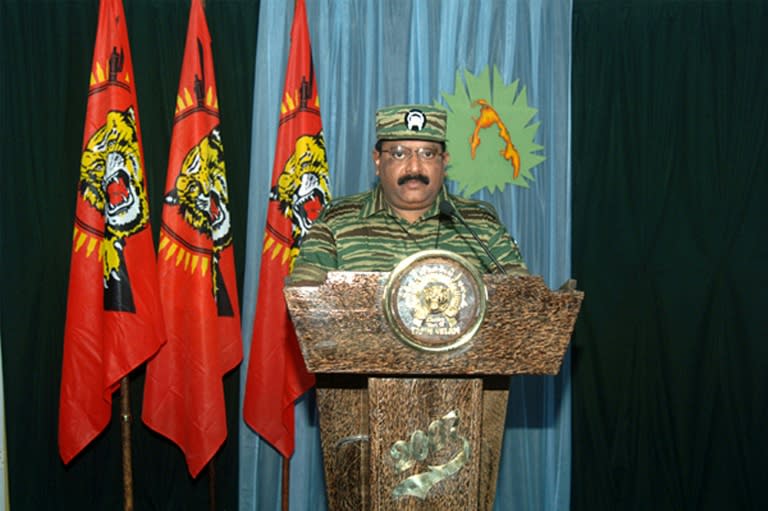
column 670, row 119
column 368, row 54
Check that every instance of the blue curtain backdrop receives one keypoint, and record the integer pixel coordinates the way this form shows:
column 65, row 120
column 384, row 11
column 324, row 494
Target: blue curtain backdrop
column 369, row 53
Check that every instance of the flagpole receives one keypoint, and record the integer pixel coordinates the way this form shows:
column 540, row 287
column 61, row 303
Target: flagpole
column 212, row 485
column 286, row 483
column 125, row 430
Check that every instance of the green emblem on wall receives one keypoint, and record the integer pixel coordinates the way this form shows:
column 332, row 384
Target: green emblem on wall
column 490, row 133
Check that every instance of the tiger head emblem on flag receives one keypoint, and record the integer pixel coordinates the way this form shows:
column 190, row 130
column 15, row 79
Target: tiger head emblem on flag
column 302, row 188
column 112, row 182
column 202, row 197
column 201, row 191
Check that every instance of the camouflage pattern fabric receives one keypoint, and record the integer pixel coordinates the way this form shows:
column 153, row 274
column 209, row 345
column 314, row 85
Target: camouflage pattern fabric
column 411, row 122
column 362, row 233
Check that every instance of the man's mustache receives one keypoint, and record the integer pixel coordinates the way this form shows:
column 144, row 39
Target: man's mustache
column 413, row 177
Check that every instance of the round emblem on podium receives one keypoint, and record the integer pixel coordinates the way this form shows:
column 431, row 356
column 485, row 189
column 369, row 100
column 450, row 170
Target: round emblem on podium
column 435, row 300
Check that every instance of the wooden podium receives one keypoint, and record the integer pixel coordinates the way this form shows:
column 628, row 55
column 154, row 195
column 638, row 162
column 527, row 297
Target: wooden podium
column 404, row 428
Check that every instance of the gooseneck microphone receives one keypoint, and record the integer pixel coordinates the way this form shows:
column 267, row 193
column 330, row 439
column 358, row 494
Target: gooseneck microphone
column 447, row 209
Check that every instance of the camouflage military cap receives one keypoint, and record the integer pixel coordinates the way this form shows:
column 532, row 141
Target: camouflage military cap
column 411, row 122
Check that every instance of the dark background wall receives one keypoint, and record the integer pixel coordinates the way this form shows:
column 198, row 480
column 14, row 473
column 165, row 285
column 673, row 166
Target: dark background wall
column 670, row 124
column 670, row 127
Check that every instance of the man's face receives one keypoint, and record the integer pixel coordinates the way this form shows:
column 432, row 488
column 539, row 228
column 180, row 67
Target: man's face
column 410, row 180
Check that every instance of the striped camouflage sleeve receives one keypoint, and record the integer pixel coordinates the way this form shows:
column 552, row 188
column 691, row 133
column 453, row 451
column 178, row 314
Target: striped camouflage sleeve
column 317, row 255
column 507, row 252
column 500, row 243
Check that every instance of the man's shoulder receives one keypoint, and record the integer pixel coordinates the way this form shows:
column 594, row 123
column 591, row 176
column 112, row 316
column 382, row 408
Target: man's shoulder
column 345, row 207
column 472, row 209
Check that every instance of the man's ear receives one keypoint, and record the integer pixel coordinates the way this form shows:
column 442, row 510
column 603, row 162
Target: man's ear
column 376, row 156
column 446, row 158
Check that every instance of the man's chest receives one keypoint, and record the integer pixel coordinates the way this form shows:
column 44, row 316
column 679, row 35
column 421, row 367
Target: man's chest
column 381, row 245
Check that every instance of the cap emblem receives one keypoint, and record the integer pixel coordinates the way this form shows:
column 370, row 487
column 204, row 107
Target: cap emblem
column 415, row 120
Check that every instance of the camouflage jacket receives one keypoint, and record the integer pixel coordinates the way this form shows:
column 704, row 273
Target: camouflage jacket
column 362, row 233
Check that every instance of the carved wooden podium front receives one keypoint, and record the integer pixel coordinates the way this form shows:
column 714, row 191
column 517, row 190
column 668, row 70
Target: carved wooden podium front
column 405, row 427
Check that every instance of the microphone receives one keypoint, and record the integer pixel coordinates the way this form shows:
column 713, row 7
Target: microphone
column 447, row 209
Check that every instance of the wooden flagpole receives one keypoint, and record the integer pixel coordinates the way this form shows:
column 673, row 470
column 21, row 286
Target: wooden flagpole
column 125, row 433
column 212, row 484
column 286, row 483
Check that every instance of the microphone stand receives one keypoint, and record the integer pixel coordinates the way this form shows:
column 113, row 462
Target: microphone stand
column 447, row 209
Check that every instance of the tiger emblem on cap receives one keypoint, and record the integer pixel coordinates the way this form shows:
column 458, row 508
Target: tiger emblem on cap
column 415, row 120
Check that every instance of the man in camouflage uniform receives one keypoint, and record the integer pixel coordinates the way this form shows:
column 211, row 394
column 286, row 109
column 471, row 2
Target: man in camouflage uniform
column 375, row 230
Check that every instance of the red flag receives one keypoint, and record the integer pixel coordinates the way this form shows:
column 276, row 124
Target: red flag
column 184, row 393
column 114, row 322
column 277, row 375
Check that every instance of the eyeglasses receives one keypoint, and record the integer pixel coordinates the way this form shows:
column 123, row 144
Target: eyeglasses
column 403, row 153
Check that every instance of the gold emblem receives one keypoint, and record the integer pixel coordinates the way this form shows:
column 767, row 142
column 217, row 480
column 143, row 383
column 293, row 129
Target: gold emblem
column 435, row 300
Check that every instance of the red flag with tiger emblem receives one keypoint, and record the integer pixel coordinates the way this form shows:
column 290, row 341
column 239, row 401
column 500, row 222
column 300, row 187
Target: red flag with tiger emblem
column 184, row 391
column 114, row 322
column 277, row 375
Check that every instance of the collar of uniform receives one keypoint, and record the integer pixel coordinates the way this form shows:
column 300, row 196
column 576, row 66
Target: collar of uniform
column 375, row 203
